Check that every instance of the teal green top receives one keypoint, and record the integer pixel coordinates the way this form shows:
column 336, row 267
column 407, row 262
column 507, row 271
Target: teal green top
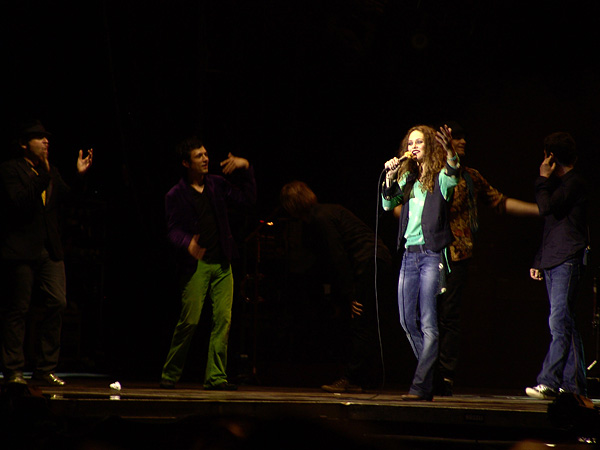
column 414, row 232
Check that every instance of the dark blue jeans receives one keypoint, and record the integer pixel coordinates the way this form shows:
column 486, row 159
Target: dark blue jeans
column 564, row 365
column 418, row 286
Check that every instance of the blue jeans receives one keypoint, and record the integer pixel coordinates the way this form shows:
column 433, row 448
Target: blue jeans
column 418, row 286
column 564, row 366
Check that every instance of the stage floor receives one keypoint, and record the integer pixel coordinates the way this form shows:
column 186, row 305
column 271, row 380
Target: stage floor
column 89, row 407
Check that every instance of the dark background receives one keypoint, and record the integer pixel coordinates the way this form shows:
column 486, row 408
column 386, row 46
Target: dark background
column 316, row 90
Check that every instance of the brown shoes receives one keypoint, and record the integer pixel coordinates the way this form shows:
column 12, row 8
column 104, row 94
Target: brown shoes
column 342, row 385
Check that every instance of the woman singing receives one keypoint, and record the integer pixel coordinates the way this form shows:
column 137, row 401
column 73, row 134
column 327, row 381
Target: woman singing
column 422, row 179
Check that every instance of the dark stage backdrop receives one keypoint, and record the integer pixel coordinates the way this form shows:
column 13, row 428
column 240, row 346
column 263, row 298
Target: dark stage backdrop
column 316, row 90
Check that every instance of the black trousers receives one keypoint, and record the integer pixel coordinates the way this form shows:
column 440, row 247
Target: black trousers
column 449, row 319
column 19, row 279
column 364, row 363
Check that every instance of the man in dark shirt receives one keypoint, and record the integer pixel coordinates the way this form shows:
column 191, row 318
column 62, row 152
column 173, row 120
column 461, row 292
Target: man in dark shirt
column 198, row 227
column 350, row 250
column 561, row 196
column 32, row 191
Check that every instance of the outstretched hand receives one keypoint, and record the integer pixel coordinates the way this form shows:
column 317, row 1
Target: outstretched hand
column 444, row 137
column 83, row 164
column 232, row 163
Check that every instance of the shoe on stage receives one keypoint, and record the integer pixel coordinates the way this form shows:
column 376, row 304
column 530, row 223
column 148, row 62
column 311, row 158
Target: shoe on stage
column 49, row 379
column 415, row 398
column 225, row 386
column 542, row 392
column 342, row 385
column 16, row 378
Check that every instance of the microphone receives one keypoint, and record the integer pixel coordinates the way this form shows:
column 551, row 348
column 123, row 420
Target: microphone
column 404, row 157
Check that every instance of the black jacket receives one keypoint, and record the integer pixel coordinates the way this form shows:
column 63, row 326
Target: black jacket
column 27, row 224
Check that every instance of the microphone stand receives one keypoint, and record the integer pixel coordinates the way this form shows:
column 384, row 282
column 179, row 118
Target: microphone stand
column 595, row 321
column 251, row 294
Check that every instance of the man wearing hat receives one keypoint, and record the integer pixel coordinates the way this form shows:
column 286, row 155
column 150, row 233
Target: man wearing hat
column 32, row 255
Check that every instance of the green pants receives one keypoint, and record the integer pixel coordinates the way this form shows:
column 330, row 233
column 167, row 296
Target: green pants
column 216, row 281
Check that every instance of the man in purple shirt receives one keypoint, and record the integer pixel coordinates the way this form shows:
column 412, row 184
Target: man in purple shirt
column 198, row 227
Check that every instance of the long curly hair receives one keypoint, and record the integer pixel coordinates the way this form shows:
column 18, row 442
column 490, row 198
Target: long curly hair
column 433, row 161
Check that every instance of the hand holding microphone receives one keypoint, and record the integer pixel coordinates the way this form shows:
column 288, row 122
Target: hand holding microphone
column 392, row 166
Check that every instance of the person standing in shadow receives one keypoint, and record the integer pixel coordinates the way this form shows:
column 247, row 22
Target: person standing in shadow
column 32, row 191
column 359, row 265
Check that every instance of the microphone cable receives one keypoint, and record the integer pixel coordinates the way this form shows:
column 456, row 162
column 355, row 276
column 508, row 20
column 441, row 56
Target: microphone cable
column 377, row 214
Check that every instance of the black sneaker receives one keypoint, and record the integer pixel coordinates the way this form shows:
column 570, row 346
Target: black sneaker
column 225, row 386
column 542, row 392
column 167, row 384
column 16, row 379
column 342, row 385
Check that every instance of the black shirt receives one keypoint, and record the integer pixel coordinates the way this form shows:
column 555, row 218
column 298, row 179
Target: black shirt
column 208, row 230
column 348, row 241
column 563, row 204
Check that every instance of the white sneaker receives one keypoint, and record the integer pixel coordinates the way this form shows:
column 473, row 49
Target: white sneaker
column 541, row 391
